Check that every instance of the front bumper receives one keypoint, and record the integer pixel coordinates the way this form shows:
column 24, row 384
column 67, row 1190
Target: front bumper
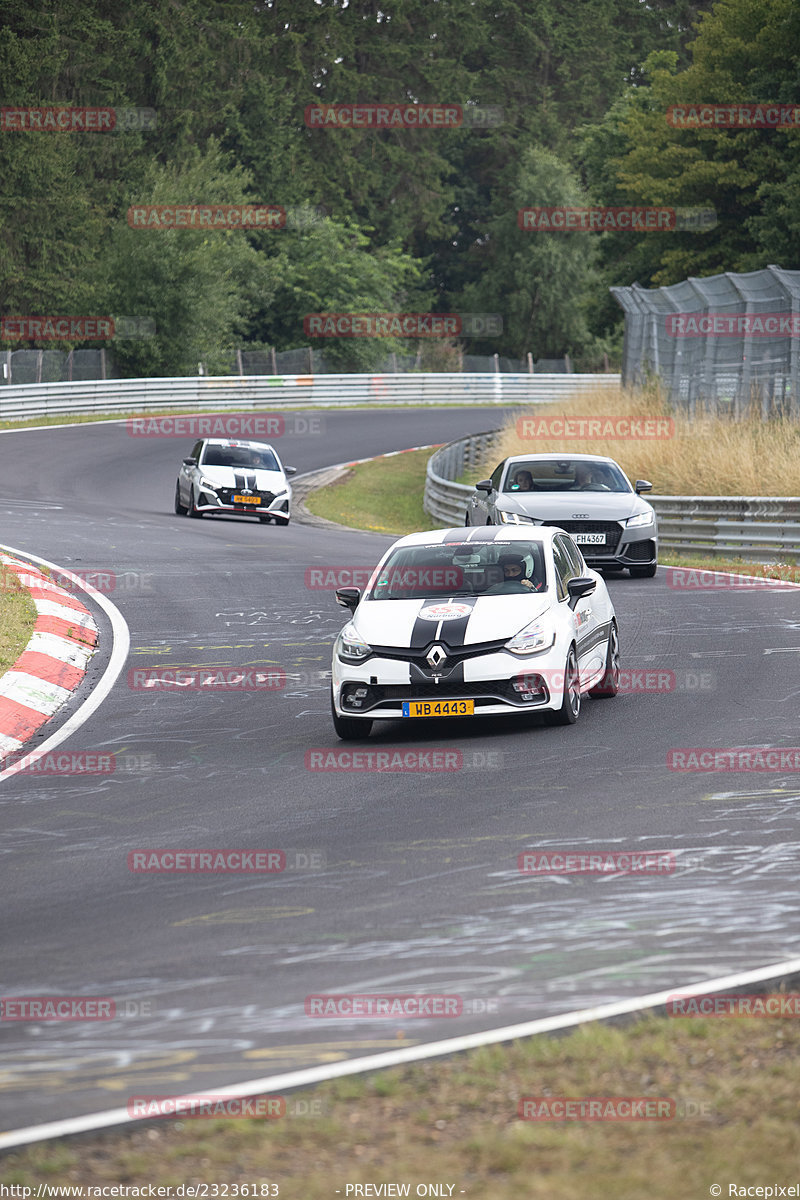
column 623, row 547
column 489, row 681
column 222, row 502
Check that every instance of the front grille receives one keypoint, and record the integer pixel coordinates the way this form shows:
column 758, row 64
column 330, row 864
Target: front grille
column 226, row 497
column 641, row 551
column 611, row 529
column 489, row 691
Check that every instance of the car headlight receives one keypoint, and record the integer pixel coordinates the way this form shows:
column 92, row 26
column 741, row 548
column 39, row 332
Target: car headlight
column 645, row 518
column 208, row 485
column 510, row 518
column 533, row 638
column 350, row 646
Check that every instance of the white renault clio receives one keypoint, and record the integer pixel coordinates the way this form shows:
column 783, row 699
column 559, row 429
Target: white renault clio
column 475, row 622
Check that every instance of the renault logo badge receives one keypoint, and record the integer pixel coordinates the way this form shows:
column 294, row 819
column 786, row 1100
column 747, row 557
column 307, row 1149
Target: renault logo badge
column 436, row 656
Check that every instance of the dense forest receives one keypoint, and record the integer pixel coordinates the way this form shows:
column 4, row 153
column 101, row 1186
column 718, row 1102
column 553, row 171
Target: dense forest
column 563, row 102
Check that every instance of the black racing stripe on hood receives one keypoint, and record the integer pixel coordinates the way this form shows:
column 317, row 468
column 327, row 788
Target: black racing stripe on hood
column 484, row 533
column 453, row 632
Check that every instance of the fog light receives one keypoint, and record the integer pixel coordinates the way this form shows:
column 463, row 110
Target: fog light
column 361, row 693
column 529, row 687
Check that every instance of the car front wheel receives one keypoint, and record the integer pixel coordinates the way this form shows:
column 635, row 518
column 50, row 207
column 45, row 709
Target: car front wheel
column 349, row 729
column 193, row 509
column 609, row 683
column 180, row 509
column 570, row 708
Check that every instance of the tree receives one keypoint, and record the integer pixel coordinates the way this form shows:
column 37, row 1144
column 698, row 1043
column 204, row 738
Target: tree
column 539, row 281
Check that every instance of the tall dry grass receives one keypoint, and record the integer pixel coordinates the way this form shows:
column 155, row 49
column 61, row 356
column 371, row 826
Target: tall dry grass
column 706, row 456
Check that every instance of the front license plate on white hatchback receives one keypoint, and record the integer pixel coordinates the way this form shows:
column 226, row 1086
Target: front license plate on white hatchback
column 439, row 708
column 246, row 499
column 590, row 539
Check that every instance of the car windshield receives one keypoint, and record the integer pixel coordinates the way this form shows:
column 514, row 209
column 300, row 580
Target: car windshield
column 439, row 571
column 564, row 475
column 252, row 457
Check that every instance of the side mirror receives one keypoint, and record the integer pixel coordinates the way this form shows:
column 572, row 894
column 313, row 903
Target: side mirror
column 190, row 462
column 485, row 485
column 582, row 586
column 290, row 470
column 348, row 597
column 643, row 485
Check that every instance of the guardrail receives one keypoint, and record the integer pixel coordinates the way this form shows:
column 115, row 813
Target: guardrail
column 754, row 528
column 259, row 391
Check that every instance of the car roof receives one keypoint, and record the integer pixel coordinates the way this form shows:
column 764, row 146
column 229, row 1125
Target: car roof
column 562, row 456
column 503, row 533
column 237, row 442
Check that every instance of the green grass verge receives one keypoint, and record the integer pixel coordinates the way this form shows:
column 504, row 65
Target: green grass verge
column 455, row 1121
column 17, row 618
column 384, row 495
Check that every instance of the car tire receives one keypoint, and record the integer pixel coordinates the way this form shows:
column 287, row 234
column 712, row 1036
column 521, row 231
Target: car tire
column 466, row 520
column 643, row 572
column 193, row 509
column 265, row 520
column 349, row 729
column 490, row 521
column 609, row 683
column 180, row 509
column 570, row 708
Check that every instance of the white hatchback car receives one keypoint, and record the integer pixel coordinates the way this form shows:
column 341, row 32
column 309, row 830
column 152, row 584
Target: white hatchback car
column 224, row 476
column 474, row 622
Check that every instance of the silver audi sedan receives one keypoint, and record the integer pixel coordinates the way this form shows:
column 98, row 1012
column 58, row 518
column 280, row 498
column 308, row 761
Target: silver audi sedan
column 587, row 495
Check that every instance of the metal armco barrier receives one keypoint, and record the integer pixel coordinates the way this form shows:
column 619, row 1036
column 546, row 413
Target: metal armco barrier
column 268, row 391
column 755, row 528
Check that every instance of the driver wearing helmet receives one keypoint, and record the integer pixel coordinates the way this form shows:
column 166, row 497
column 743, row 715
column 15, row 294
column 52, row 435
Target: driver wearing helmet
column 515, row 576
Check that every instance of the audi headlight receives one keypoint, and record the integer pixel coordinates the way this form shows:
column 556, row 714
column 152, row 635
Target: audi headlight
column 350, row 646
column 532, row 639
column 645, row 518
column 510, row 518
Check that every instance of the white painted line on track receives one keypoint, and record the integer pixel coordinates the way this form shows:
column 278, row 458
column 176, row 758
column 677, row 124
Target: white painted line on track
column 121, row 641
column 272, row 1084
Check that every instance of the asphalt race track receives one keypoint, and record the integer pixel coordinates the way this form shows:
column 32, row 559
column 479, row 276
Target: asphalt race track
column 419, row 891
